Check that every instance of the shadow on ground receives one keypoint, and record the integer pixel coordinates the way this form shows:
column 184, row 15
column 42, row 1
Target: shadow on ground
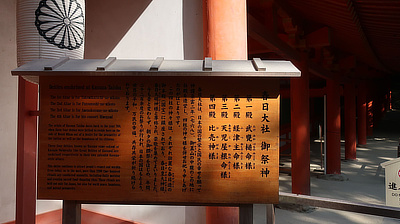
column 364, row 178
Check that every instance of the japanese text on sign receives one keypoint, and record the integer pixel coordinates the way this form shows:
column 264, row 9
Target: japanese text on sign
column 163, row 140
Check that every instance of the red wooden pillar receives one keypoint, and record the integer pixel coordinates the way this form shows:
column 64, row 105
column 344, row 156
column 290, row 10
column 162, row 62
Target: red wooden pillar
column 300, row 131
column 225, row 38
column 26, row 153
column 388, row 105
column 225, row 29
column 362, row 114
column 333, row 128
column 350, row 121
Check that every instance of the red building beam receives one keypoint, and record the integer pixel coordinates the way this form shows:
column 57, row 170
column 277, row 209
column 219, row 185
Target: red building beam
column 362, row 114
column 319, row 38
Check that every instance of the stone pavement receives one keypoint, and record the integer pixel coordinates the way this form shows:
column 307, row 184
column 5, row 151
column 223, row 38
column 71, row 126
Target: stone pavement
column 362, row 180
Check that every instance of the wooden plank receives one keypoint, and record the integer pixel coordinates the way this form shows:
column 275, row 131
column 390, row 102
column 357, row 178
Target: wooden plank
column 208, row 67
column 319, row 38
column 159, row 141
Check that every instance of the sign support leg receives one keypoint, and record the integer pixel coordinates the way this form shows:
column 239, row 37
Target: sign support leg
column 249, row 214
column 246, row 214
column 270, row 214
column 71, row 213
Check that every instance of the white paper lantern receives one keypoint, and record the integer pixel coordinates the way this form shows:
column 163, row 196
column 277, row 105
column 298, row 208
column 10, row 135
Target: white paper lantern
column 50, row 29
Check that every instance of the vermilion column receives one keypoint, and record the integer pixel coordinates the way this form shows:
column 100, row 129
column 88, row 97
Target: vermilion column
column 362, row 114
column 370, row 117
column 333, row 128
column 350, row 121
column 26, row 153
column 300, row 131
column 225, row 38
column 225, row 29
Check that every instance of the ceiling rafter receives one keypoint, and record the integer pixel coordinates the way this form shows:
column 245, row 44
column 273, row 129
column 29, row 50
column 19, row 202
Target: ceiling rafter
column 354, row 15
column 260, row 33
column 319, row 38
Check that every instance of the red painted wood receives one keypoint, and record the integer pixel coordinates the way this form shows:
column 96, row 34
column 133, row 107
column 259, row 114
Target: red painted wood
column 222, row 215
column 370, row 117
column 319, row 38
column 285, row 93
column 88, row 217
column 225, row 38
column 350, row 121
column 300, row 132
column 333, row 128
column 26, row 153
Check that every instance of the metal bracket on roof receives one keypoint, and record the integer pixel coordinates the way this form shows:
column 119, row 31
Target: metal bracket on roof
column 109, row 61
column 156, row 64
column 207, row 66
column 258, row 65
column 56, row 64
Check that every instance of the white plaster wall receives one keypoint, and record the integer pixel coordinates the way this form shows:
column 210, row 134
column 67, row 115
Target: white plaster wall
column 195, row 215
column 8, row 116
column 192, row 24
column 43, row 206
column 171, row 29
column 145, row 214
column 157, row 32
column 8, row 110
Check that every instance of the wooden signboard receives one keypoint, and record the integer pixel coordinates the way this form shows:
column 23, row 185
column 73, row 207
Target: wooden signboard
column 392, row 182
column 159, row 140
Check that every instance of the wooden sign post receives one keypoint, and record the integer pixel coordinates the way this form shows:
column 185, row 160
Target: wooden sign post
column 159, row 132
